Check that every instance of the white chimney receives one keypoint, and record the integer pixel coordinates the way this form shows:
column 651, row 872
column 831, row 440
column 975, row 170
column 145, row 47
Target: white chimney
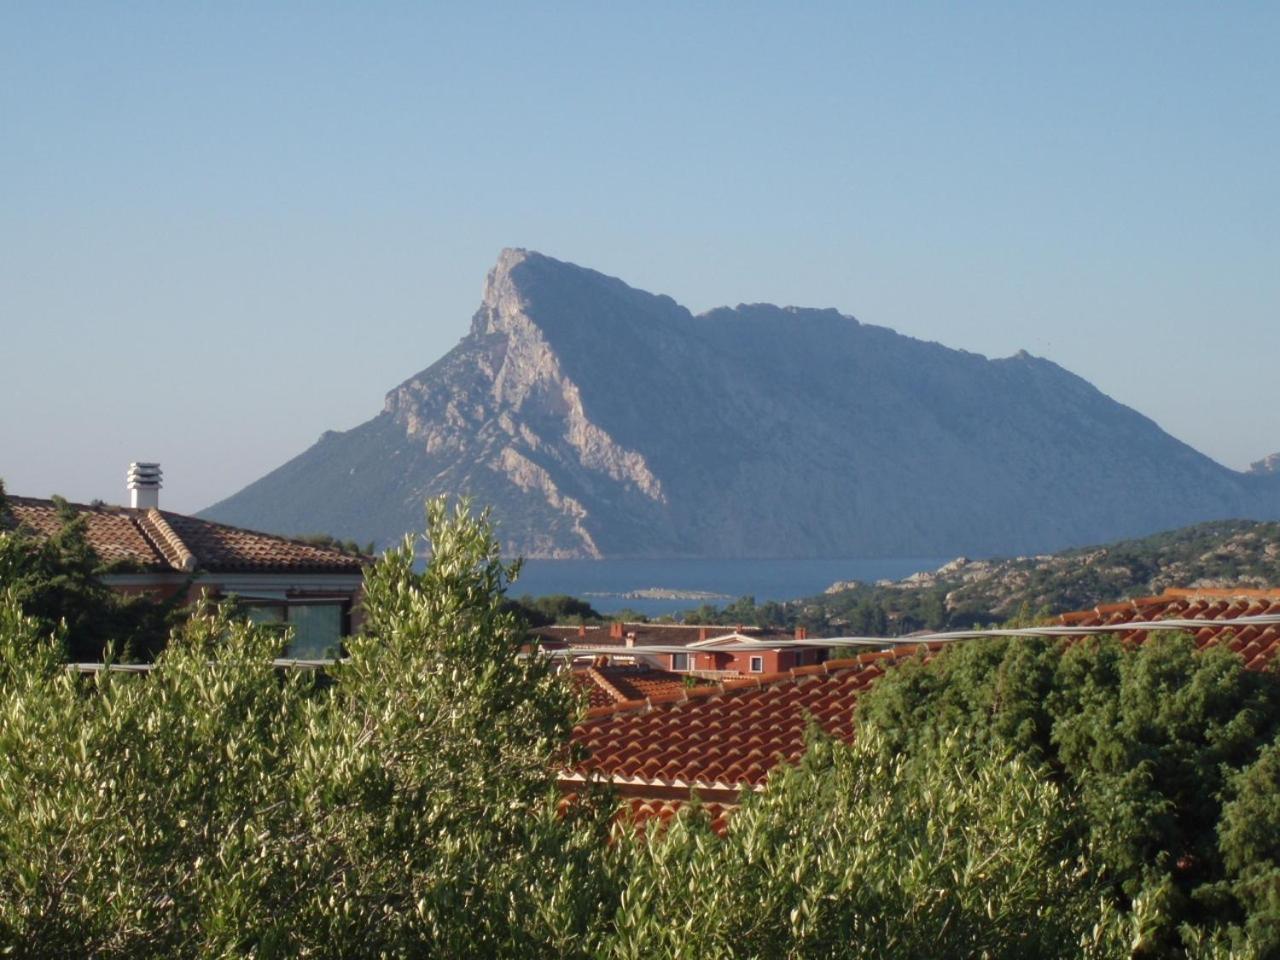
column 144, row 485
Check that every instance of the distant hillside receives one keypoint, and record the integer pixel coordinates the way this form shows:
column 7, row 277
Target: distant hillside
column 602, row 421
column 1230, row 553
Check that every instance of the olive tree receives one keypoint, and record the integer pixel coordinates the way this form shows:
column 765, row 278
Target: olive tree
column 403, row 806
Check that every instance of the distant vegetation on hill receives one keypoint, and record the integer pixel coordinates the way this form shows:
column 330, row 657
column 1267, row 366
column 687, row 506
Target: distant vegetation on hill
column 554, row 608
column 1227, row 553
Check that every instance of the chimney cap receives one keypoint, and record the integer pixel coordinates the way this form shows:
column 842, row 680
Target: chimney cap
column 143, row 473
column 144, row 482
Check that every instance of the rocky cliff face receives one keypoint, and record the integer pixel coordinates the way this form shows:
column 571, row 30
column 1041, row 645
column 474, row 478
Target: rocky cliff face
column 600, row 420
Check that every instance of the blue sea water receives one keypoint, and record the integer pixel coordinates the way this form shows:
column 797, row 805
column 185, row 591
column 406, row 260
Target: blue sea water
column 603, row 582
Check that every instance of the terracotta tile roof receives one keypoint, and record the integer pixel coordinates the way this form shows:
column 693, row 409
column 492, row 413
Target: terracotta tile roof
column 157, row 540
column 646, row 811
column 718, row 740
column 598, row 694
column 609, row 685
column 650, row 684
column 1258, row 645
column 114, row 535
column 721, row 738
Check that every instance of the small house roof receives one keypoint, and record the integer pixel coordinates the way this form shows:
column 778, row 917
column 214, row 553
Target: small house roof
column 154, row 540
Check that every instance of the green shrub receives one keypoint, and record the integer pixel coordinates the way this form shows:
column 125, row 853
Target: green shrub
column 950, row 851
column 1152, row 744
column 218, row 807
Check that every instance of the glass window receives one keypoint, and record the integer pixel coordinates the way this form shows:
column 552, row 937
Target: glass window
column 757, row 664
column 263, row 612
column 680, row 661
column 317, row 630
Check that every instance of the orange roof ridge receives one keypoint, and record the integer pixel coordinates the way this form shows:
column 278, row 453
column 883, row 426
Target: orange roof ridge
column 630, row 706
column 695, row 693
column 1220, row 593
column 812, row 670
column 1102, row 608
column 603, row 683
column 179, row 557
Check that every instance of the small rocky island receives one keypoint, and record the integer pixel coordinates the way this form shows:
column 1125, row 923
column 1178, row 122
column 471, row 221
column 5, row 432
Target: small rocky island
column 664, row 593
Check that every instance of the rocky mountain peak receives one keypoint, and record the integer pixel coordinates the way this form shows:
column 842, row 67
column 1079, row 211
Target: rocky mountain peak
column 501, row 299
column 1267, row 465
column 601, row 420
column 525, row 288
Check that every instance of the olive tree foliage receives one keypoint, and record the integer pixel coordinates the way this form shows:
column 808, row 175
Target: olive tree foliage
column 951, row 851
column 1249, row 837
column 448, row 752
column 217, row 807
column 1161, row 748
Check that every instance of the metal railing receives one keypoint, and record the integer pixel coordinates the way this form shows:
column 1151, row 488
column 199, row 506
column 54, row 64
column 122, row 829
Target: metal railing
column 879, row 643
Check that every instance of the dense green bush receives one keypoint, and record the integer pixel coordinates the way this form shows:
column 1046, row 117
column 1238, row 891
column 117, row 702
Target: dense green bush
column 1249, row 839
column 1164, row 748
column 950, row 851
column 217, row 807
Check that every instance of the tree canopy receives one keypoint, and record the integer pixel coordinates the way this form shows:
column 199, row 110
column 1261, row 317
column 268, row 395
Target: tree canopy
column 553, row 608
column 215, row 807
column 1169, row 752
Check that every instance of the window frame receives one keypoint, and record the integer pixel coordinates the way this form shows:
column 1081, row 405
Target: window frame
column 343, row 602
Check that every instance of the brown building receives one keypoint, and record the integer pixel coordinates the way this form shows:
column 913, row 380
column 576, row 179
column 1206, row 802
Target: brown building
column 712, row 651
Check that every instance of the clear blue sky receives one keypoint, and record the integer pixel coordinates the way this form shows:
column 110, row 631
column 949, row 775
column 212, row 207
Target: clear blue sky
column 225, row 228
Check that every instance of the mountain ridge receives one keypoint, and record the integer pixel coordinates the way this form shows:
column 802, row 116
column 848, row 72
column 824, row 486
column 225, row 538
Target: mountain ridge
column 602, row 420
